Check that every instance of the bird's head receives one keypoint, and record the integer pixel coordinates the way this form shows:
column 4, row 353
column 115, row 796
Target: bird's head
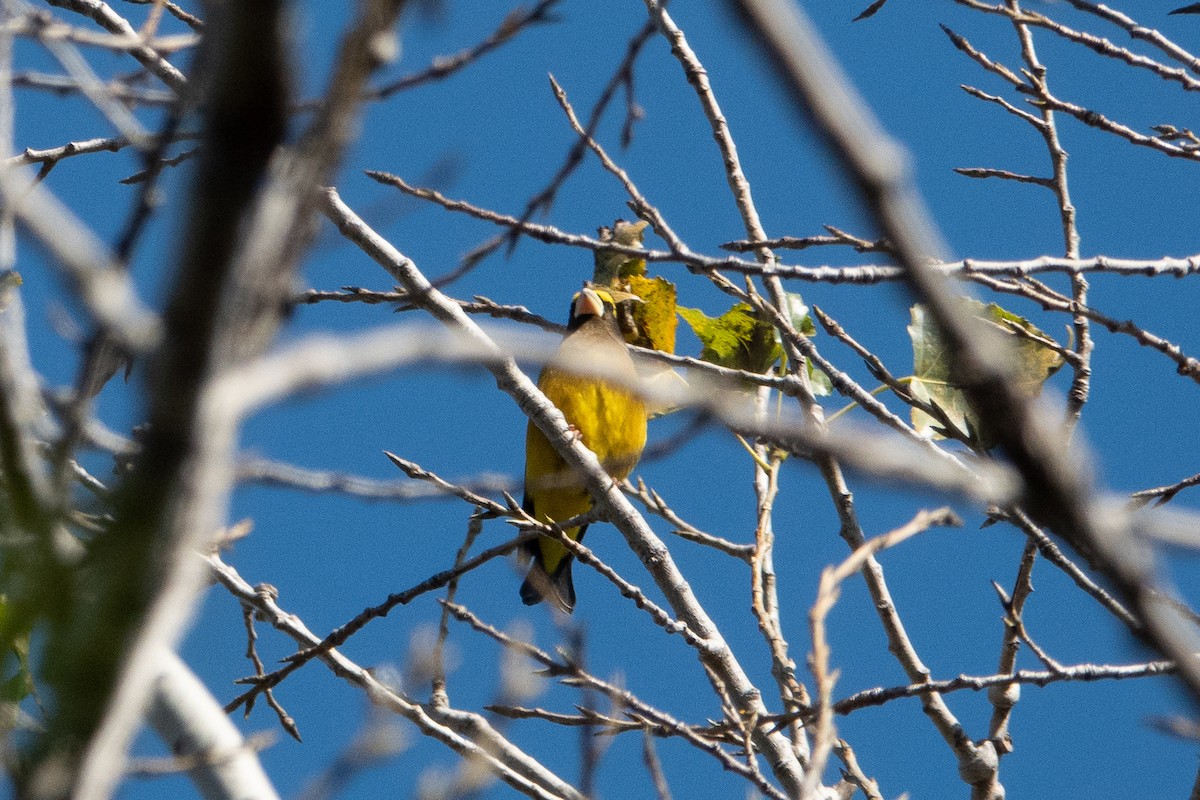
column 590, row 303
column 595, row 302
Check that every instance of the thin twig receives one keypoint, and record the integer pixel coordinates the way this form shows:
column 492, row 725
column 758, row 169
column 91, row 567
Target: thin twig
column 827, row 595
column 443, row 67
column 469, row 735
column 1077, row 673
column 114, row 23
column 1164, row 494
column 574, row 675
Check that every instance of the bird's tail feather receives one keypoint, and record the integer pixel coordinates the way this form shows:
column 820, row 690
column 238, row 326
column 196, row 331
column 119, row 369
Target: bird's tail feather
column 557, row 588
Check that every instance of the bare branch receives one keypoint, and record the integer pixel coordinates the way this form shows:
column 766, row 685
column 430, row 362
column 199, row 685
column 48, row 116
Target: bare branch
column 114, row 23
column 195, row 727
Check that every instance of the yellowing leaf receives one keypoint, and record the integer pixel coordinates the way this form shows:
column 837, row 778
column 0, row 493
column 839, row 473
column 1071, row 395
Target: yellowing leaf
column 934, row 382
column 653, row 319
column 646, row 312
column 1036, row 362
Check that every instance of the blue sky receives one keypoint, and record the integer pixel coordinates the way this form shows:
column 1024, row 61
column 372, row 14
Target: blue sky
column 499, row 128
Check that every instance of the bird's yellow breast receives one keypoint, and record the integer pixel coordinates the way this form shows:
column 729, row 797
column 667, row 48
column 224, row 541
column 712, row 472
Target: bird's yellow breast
column 611, row 421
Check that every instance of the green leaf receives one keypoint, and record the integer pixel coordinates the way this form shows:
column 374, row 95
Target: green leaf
column 802, row 321
column 740, row 340
column 18, row 686
column 797, row 314
column 934, row 382
column 737, row 339
column 821, row 385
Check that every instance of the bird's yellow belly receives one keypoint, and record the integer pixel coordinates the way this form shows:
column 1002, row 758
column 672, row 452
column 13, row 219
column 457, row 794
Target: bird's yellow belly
column 610, row 422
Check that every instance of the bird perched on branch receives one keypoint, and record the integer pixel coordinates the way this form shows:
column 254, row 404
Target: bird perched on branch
column 610, row 420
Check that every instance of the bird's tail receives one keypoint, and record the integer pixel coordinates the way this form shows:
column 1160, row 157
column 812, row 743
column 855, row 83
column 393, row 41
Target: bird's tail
column 557, row 587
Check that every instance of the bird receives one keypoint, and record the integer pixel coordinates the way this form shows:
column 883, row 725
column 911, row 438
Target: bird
column 609, row 420
column 1194, row 8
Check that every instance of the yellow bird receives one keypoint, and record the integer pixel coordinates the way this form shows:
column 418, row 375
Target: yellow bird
column 610, row 421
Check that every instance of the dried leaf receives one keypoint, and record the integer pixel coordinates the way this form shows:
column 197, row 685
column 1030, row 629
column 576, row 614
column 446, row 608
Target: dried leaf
column 611, row 266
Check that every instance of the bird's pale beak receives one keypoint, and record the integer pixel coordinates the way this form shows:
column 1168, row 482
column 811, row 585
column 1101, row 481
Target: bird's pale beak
column 588, row 303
